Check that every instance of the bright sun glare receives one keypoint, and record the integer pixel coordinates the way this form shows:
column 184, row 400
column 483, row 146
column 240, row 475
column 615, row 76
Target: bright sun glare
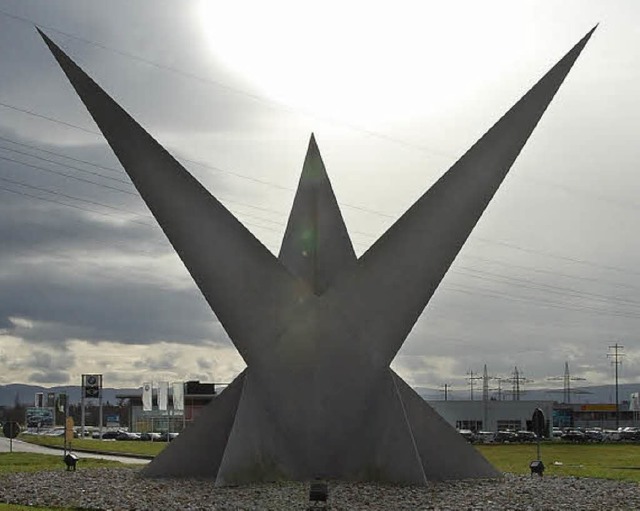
column 359, row 61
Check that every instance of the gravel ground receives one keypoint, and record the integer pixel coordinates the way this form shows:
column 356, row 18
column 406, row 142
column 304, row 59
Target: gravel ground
column 124, row 489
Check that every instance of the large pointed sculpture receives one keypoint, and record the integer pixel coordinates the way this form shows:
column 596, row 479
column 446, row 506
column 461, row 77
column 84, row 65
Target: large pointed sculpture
column 318, row 327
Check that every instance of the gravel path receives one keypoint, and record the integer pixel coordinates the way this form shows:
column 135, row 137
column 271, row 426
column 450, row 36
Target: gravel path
column 123, row 489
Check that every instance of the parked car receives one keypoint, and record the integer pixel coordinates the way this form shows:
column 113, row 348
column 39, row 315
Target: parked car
column 630, row 434
column 126, row 435
column 574, row 435
column 485, row 437
column 468, row 435
column 594, row 435
column 109, row 435
column 150, row 437
column 526, row 436
column 505, row 437
column 164, row 437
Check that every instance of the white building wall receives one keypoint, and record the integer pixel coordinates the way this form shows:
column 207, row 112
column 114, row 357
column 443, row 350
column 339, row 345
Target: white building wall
column 490, row 412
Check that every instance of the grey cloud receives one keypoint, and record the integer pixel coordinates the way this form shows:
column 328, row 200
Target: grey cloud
column 158, row 35
column 204, row 364
column 164, row 362
column 49, row 377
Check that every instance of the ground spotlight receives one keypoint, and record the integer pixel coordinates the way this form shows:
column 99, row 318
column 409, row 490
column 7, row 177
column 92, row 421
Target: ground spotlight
column 70, row 460
column 318, row 494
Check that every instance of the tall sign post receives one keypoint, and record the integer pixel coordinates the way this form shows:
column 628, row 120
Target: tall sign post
column 11, row 430
column 68, row 434
column 538, row 423
column 91, row 388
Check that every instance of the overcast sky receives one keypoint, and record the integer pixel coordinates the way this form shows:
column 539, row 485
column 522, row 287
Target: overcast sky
column 395, row 92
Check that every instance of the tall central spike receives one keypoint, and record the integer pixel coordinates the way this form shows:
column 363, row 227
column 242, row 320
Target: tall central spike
column 316, row 245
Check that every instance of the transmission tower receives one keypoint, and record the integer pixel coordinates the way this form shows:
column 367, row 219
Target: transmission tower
column 517, row 379
column 567, row 379
column 615, row 354
column 446, row 388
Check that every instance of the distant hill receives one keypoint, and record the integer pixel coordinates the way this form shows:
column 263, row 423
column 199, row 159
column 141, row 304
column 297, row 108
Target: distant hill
column 26, row 393
column 594, row 394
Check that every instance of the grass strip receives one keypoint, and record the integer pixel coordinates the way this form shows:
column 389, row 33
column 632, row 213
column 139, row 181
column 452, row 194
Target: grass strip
column 116, row 447
column 11, row 462
column 604, row 461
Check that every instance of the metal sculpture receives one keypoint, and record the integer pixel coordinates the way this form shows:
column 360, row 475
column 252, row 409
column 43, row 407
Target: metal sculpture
column 317, row 326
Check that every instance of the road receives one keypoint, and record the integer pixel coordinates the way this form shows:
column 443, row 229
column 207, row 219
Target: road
column 20, row 446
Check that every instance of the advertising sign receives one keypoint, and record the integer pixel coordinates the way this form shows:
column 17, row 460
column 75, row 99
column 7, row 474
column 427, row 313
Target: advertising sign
column 178, row 396
column 39, row 417
column 163, row 395
column 92, row 385
column 147, row 397
column 113, row 421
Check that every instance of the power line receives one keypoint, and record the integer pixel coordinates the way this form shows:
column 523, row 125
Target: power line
column 66, row 165
column 512, row 246
column 72, row 197
column 255, row 97
column 43, row 169
column 112, row 169
column 538, row 286
column 526, row 299
column 547, row 304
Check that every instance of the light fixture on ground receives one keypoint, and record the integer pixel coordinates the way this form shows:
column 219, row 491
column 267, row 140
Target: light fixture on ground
column 318, row 494
column 70, row 460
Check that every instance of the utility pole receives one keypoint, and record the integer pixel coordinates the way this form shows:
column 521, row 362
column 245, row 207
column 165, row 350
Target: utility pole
column 446, row 391
column 499, row 387
column 616, row 359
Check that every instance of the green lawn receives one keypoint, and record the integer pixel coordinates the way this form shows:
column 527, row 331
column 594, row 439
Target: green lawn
column 30, row 462
column 107, row 446
column 606, row 461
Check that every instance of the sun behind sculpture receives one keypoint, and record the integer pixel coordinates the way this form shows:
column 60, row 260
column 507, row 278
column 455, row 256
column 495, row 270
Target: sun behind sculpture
column 318, row 327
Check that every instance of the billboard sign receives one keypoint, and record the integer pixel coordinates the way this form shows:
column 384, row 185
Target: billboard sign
column 113, row 421
column 39, row 417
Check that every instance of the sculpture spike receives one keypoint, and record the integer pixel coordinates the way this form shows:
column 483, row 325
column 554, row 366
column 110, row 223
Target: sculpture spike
column 401, row 271
column 316, row 245
column 233, row 270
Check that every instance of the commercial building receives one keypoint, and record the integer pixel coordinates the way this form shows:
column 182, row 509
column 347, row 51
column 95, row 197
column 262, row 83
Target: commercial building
column 492, row 415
